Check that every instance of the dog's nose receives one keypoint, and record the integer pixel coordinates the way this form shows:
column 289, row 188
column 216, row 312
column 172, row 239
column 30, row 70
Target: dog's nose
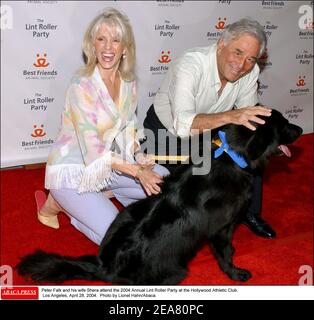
column 296, row 130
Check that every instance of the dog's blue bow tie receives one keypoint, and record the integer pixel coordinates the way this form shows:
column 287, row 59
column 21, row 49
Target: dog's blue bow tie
column 224, row 146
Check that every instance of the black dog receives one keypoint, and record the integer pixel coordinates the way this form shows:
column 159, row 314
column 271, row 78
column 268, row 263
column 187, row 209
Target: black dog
column 152, row 240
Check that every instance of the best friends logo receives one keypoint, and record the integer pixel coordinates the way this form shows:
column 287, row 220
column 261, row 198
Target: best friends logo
column 273, row 5
column 163, row 60
column 170, row 3
column 165, row 57
column 221, row 23
column 301, row 81
column 300, row 89
column 264, row 60
column 40, row 64
column 37, row 134
column 219, row 27
column 264, row 55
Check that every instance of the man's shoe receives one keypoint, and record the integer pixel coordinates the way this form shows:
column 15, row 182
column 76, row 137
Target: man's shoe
column 259, row 227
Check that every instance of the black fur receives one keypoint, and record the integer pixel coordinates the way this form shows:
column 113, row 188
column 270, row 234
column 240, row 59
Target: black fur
column 152, row 240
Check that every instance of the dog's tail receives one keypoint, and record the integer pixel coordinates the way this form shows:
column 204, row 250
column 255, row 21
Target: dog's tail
column 50, row 267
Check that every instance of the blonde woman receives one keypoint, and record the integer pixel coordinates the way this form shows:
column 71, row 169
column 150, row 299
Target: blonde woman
column 97, row 148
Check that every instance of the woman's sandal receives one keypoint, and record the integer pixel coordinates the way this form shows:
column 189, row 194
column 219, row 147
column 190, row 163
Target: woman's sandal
column 49, row 207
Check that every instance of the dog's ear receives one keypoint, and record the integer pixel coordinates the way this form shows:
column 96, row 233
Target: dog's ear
column 258, row 143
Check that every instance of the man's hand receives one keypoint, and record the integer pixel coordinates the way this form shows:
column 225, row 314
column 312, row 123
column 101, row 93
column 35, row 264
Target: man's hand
column 243, row 116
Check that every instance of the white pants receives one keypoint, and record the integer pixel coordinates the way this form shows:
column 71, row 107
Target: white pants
column 92, row 212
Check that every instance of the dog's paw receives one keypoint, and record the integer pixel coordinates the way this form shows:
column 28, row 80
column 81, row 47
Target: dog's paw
column 240, row 274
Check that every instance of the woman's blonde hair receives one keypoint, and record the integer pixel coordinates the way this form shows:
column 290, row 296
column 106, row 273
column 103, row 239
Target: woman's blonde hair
column 113, row 19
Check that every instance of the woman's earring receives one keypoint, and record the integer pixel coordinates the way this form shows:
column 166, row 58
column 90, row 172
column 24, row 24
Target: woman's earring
column 123, row 56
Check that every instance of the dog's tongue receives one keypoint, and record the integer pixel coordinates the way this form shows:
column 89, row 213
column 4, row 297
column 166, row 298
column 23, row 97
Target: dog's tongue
column 285, row 150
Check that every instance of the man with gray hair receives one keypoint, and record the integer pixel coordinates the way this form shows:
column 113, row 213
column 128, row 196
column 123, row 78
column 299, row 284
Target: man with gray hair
column 208, row 87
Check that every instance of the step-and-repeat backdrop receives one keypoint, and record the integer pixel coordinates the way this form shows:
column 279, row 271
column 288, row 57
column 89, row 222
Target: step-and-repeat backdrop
column 41, row 49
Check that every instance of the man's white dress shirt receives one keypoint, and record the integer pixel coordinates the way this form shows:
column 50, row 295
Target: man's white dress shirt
column 191, row 87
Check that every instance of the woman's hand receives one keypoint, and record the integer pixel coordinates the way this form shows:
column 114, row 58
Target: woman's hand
column 144, row 159
column 149, row 179
column 143, row 173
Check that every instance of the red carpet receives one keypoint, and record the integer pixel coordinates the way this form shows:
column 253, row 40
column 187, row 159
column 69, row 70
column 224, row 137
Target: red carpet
column 287, row 206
